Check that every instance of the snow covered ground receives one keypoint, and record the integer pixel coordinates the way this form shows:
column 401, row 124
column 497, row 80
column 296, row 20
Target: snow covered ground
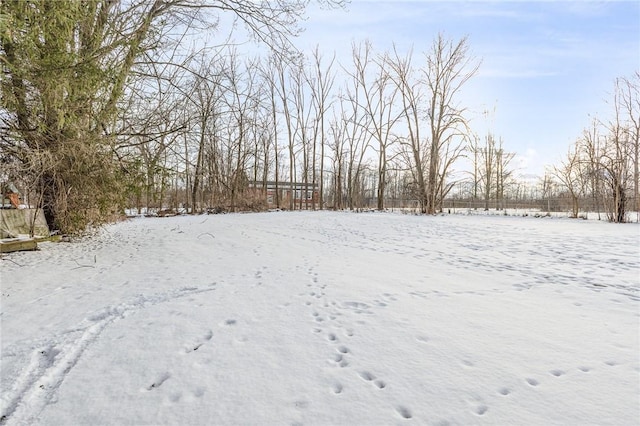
column 325, row 319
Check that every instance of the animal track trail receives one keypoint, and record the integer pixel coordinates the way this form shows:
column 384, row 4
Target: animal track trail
column 37, row 384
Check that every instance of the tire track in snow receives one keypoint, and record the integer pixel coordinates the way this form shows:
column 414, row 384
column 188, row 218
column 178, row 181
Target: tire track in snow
column 49, row 365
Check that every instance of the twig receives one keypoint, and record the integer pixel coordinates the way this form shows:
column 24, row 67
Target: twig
column 3, row 257
column 82, row 266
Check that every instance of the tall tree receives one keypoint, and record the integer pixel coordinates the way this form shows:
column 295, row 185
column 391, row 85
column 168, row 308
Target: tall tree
column 447, row 70
column 403, row 76
column 378, row 101
column 321, row 86
column 629, row 100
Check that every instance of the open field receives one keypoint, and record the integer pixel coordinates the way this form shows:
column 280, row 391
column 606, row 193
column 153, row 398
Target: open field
column 325, row 318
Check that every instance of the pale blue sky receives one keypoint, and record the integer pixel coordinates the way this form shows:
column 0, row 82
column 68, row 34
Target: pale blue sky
column 546, row 65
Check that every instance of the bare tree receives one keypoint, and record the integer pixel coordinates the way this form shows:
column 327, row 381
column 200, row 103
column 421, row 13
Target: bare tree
column 615, row 159
column 571, row 177
column 448, row 69
column 590, row 148
column 338, row 128
column 475, row 150
column 206, row 98
column 356, row 130
column 321, row 85
column 286, row 102
column 409, row 89
column 488, row 156
column 629, row 99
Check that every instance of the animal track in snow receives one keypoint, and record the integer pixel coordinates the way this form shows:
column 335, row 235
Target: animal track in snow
column 337, row 388
column 195, row 346
column 339, row 359
column 532, row 382
column 557, row 373
column 504, row 391
column 404, row 412
column 365, row 375
column 357, row 307
column 159, row 381
column 481, row 409
column 38, row 383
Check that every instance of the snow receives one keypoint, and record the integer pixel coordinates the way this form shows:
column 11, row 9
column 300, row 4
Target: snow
column 325, row 318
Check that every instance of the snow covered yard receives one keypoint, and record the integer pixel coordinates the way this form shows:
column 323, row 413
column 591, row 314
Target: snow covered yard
column 326, row 318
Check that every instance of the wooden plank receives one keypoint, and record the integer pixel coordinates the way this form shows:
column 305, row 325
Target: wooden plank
column 18, row 245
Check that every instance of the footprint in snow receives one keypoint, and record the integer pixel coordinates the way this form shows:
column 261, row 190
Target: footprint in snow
column 159, row 381
column 365, row 375
column 480, row 410
column 380, row 384
column 339, row 359
column 532, row 382
column 195, row 346
column 404, row 412
column 504, row 391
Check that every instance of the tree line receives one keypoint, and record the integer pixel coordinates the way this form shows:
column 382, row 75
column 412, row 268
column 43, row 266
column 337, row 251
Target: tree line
column 602, row 165
column 103, row 108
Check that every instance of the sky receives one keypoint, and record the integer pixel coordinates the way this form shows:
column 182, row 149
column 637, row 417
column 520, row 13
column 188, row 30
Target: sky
column 547, row 67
